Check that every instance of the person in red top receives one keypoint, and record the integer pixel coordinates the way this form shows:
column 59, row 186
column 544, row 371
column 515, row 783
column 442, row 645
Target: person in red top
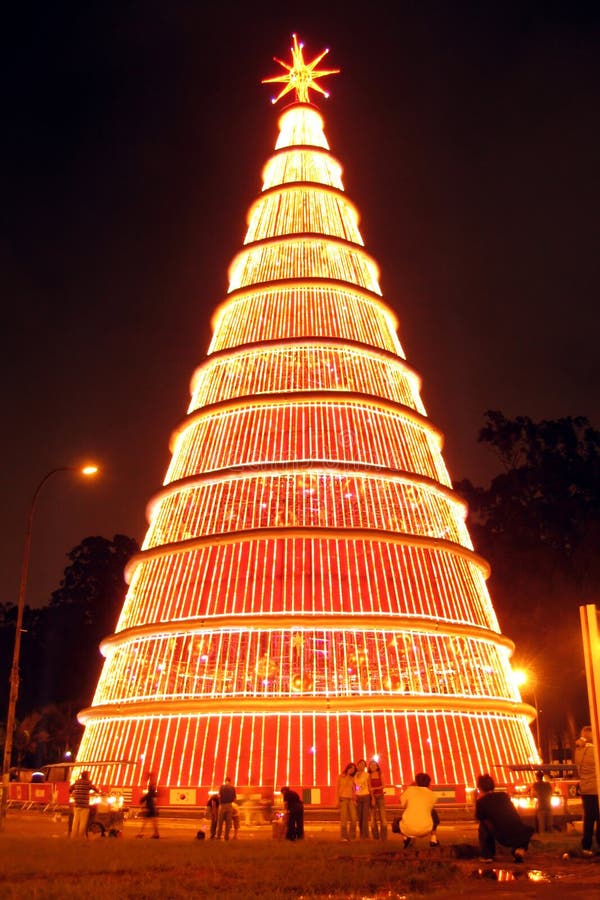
column 378, row 814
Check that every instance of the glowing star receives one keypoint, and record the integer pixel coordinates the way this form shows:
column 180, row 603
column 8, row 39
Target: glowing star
column 300, row 76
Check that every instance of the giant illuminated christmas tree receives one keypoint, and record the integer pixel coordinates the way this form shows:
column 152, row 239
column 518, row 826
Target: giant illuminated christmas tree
column 307, row 591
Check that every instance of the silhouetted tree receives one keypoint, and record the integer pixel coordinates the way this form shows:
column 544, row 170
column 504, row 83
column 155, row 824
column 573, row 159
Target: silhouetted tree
column 538, row 523
column 60, row 658
column 81, row 612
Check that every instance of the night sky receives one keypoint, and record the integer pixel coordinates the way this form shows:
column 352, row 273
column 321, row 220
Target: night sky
column 134, row 134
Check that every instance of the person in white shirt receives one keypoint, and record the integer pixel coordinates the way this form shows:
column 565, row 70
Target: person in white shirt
column 419, row 818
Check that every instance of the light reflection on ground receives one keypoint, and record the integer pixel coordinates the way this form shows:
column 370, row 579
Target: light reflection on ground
column 537, row 876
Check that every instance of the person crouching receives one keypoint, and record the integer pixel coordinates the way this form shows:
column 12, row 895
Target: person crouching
column 499, row 821
column 419, row 818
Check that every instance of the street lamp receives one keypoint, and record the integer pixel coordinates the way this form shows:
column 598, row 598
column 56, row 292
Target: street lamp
column 523, row 678
column 88, row 471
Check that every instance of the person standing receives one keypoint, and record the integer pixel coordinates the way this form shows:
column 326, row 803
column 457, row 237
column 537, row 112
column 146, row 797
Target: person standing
column 376, row 787
column 346, row 794
column 499, row 821
column 212, row 813
column 226, row 800
column 363, row 798
column 419, row 818
column 541, row 791
column 149, row 801
column 588, row 786
column 295, row 814
column 81, row 790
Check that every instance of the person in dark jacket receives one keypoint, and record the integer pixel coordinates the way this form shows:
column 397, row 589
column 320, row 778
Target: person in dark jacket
column 149, row 807
column 499, row 821
column 212, row 814
column 295, row 814
column 227, row 797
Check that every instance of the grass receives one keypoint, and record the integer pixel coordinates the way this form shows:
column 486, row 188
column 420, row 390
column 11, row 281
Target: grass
column 38, row 864
column 261, row 869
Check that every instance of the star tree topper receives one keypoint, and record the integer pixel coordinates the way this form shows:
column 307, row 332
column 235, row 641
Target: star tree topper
column 300, row 76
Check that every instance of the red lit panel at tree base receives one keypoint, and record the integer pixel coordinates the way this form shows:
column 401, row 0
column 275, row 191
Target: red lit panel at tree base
column 303, row 750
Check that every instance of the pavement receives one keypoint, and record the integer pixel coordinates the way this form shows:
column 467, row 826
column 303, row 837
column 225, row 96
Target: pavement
column 35, row 823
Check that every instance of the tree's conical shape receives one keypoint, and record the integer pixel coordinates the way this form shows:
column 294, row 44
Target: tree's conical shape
column 307, row 591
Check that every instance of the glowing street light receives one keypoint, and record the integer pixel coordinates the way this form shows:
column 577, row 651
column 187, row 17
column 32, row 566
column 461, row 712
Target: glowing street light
column 522, row 679
column 88, row 471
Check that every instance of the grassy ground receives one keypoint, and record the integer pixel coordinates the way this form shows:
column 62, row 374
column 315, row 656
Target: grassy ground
column 244, row 870
column 275, row 870
column 38, row 860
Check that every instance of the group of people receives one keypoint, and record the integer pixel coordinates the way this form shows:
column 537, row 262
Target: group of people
column 500, row 822
column 82, row 791
column 223, row 813
column 361, row 801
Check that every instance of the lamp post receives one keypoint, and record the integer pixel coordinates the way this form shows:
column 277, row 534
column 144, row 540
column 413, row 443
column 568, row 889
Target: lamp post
column 522, row 678
column 14, row 672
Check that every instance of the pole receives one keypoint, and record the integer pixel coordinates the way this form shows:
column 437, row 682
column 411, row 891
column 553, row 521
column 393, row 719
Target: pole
column 14, row 671
column 537, row 724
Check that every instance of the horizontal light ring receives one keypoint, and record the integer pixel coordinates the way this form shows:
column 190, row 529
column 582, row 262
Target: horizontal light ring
column 342, row 577
column 373, row 535
column 310, row 622
column 333, row 363
column 284, row 249
column 304, row 284
column 243, row 662
column 310, row 160
column 318, row 467
column 301, row 187
column 301, row 311
column 308, row 398
column 296, row 705
column 310, row 342
column 269, row 430
column 293, row 210
column 263, row 499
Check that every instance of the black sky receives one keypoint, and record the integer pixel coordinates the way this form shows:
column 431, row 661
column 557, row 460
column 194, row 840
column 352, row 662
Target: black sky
column 134, row 136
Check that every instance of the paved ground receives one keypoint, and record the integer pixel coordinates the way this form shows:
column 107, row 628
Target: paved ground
column 33, row 823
